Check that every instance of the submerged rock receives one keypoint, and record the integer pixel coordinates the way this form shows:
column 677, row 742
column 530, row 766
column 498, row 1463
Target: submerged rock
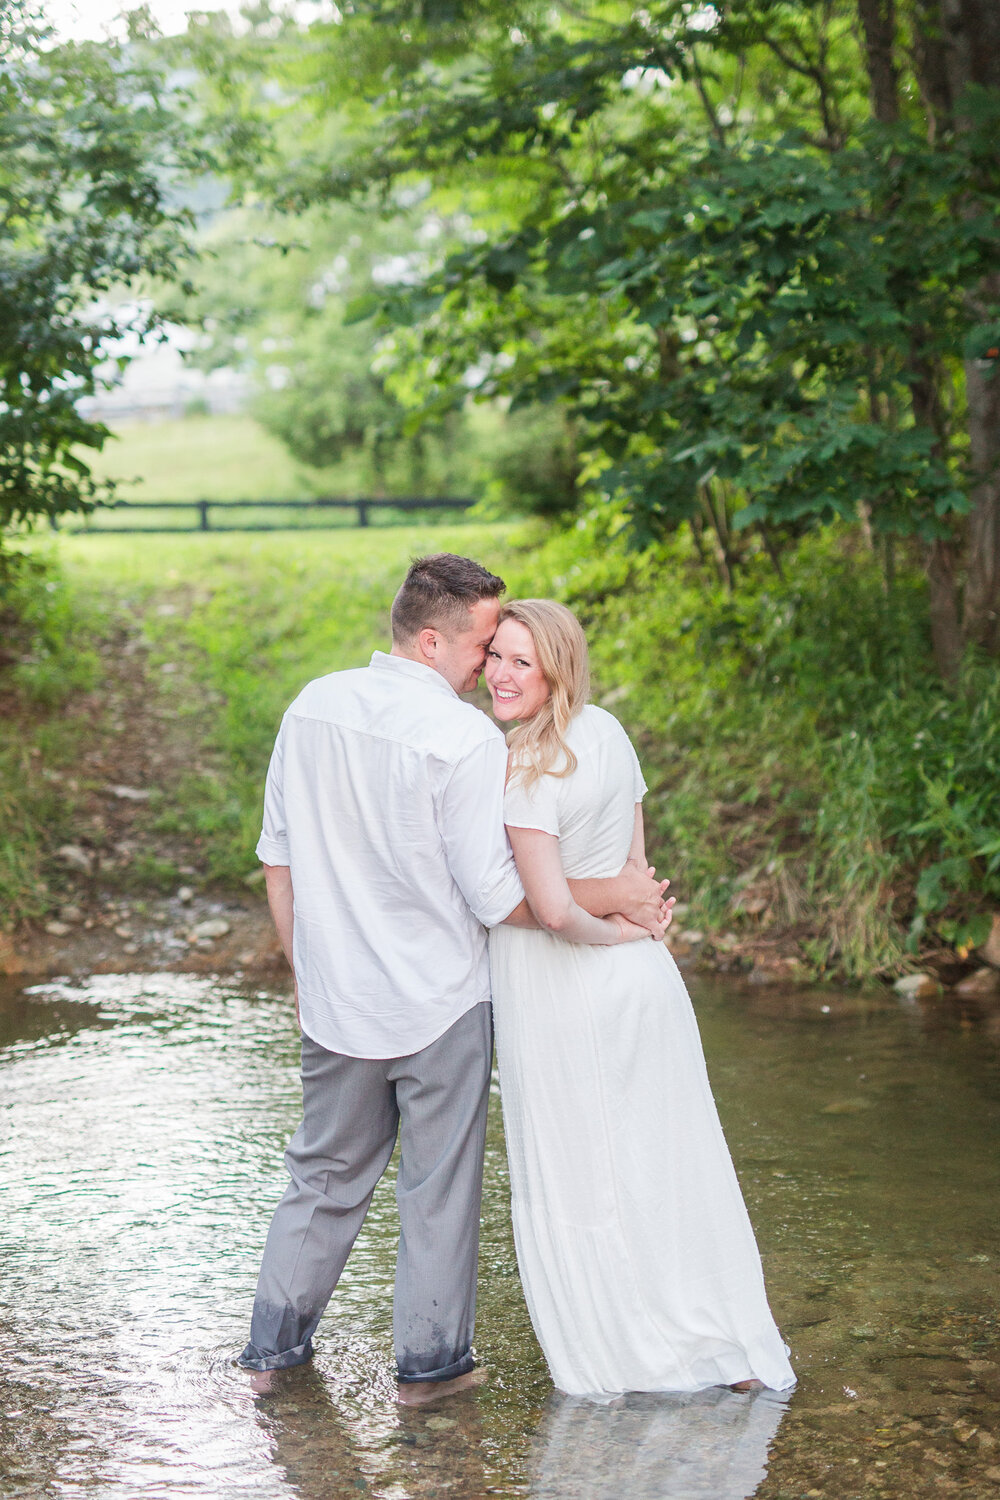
column 982, row 984
column 990, row 950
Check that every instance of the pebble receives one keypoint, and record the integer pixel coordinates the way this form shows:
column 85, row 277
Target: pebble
column 75, row 857
column 916, row 986
column 129, row 794
column 185, row 894
column 70, row 914
column 215, row 927
column 56, row 929
column 122, row 931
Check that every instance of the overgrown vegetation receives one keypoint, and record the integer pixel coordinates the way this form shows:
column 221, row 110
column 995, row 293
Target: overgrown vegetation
column 813, row 775
column 812, row 783
column 48, row 629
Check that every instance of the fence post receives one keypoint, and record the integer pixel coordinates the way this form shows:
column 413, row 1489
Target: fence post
column 362, row 513
column 202, row 514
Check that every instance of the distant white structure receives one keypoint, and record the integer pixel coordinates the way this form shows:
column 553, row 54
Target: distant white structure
column 158, row 383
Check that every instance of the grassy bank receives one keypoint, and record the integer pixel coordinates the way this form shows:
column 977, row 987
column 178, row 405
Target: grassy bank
column 812, row 787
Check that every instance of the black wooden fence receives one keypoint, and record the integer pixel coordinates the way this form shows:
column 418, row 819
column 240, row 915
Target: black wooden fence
column 203, row 512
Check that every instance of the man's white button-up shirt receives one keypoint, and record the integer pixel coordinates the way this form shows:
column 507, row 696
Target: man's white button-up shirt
column 385, row 798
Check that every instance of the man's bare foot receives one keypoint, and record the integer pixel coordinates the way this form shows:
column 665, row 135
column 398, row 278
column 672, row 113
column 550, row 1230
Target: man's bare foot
column 262, row 1381
column 747, row 1385
column 421, row 1392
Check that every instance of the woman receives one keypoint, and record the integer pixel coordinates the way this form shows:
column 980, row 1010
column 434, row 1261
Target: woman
column 637, row 1258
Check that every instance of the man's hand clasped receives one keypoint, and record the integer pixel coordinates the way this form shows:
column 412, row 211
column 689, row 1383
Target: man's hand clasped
column 647, row 911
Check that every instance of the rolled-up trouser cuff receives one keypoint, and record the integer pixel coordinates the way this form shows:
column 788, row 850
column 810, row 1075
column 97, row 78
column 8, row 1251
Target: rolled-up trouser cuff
column 252, row 1359
column 460, row 1367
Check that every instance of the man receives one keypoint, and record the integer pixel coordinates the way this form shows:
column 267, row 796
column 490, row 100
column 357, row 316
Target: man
column 383, row 814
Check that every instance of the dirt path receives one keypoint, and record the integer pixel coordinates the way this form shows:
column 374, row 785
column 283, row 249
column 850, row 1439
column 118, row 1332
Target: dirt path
column 131, row 896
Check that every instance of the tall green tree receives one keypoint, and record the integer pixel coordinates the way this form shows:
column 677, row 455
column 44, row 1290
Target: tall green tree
column 752, row 248
column 92, row 149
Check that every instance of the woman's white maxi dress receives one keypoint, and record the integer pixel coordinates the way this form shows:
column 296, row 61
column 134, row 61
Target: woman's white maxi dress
column 639, row 1264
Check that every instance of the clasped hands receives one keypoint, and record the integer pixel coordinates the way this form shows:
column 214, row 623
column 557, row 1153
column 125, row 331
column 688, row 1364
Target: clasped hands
column 647, row 910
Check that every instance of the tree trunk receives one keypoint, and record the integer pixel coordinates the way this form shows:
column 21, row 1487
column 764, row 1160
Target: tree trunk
column 981, row 615
column 930, row 56
column 878, row 21
column 946, row 632
column 972, row 39
column 972, row 33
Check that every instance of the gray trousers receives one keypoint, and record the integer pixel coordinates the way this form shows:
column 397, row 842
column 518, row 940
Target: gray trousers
column 352, row 1107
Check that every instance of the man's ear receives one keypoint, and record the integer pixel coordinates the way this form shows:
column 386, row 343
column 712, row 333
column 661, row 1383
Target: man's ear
column 427, row 643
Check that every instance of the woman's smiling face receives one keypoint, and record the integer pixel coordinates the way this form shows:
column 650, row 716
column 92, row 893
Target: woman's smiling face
column 516, row 682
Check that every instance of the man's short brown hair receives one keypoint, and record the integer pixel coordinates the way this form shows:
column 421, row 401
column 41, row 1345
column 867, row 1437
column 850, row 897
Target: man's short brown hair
column 438, row 592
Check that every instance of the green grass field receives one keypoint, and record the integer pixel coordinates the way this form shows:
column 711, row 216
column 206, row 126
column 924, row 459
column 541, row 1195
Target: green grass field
column 209, row 458
column 229, row 458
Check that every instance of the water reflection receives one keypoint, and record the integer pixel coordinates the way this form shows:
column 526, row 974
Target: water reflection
column 144, row 1118
column 324, row 1449
column 710, row 1446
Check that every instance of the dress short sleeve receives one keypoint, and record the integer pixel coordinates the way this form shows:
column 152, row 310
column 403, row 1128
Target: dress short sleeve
column 532, row 807
column 640, row 788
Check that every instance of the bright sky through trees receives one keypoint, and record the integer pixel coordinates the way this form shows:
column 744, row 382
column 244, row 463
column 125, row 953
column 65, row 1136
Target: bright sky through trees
column 93, row 20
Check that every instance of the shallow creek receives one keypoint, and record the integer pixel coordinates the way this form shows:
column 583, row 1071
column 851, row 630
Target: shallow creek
column 144, row 1118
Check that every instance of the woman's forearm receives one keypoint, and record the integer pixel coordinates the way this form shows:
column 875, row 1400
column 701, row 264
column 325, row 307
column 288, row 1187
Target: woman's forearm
column 569, row 921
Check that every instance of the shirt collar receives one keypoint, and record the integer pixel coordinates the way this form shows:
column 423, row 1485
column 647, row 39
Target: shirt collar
column 416, row 669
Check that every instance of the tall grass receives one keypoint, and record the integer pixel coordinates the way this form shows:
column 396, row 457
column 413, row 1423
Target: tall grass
column 49, row 658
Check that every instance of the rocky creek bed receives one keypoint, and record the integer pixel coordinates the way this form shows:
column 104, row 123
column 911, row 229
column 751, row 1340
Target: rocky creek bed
column 146, row 1116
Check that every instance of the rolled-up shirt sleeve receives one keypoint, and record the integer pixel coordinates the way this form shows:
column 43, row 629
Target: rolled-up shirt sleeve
column 272, row 846
column 470, row 820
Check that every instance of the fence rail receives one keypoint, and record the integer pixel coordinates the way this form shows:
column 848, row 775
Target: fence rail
column 204, row 508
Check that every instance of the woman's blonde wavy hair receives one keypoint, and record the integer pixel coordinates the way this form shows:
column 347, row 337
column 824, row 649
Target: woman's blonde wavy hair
column 561, row 648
